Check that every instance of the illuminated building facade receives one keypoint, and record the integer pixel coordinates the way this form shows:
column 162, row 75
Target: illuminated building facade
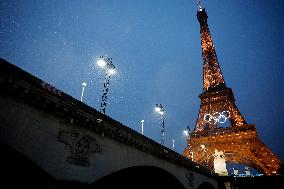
column 239, row 141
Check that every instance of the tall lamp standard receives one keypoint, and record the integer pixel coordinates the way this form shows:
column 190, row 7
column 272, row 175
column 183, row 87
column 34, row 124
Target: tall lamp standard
column 160, row 110
column 106, row 64
column 84, row 85
column 142, row 126
column 186, row 132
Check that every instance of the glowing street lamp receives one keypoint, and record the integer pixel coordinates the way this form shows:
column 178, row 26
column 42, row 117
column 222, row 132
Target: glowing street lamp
column 84, row 85
column 101, row 62
column 186, row 131
column 160, row 110
column 106, row 64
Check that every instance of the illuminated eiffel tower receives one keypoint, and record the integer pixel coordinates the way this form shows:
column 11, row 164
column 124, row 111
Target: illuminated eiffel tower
column 239, row 141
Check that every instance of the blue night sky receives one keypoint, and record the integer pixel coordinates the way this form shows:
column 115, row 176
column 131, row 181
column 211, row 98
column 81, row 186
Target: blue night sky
column 155, row 46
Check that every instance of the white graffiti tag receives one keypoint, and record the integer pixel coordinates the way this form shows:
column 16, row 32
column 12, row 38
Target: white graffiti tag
column 217, row 117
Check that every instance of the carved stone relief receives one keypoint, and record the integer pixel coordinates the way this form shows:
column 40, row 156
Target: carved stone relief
column 80, row 147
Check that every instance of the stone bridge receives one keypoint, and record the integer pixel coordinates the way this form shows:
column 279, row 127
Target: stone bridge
column 51, row 140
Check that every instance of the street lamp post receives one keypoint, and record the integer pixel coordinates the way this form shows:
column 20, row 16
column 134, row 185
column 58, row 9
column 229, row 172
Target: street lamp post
column 160, row 110
column 84, row 85
column 186, row 132
column 142, row 126
column 106, row 63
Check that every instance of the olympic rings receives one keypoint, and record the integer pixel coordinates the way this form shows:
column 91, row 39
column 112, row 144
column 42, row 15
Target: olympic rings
column 217, row 117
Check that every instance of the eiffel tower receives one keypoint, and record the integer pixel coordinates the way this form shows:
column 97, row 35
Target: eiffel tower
column 239, row 141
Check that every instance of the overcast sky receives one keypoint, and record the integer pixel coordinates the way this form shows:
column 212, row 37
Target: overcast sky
column 155, row 46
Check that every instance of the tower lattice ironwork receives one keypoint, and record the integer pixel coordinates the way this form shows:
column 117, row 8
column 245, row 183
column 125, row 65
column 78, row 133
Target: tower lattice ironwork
column 239, row 141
